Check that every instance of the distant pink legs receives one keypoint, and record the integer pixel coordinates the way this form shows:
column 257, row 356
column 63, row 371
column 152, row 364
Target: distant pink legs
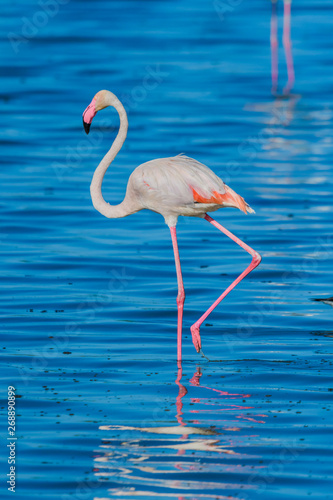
column 256, row 258
column 287, row 46
column 274, row 46
column 181, row 293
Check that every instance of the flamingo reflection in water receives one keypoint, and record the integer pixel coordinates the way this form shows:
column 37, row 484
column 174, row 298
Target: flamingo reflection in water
column 142, row 460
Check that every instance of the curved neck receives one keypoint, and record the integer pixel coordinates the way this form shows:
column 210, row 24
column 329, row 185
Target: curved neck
column 110, row 211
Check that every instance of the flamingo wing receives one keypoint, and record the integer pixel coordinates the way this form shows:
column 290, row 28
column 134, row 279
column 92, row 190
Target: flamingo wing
column 182, row 181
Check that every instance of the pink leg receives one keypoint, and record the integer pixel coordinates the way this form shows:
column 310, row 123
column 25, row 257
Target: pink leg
column 256, row 258
column 287, row 46
column 274, row 46
column 181, row 293
column 181, row 394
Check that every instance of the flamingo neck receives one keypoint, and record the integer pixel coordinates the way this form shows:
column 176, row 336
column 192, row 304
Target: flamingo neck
column 124, row 208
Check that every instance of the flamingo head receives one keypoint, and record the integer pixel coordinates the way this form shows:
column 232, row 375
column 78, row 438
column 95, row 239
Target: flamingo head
column 100, row 101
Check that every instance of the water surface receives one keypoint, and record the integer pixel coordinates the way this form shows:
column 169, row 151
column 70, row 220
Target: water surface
column 89, row 304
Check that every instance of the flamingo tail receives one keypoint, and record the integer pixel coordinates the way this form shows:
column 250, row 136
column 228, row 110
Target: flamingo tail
column 227, row 199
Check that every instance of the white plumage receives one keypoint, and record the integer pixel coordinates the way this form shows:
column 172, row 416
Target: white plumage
column 170, row 186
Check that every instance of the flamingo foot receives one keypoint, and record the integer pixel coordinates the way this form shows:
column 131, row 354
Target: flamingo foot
column 203, row 355
column 287, row 88
column 195, row 330
column 274, row 90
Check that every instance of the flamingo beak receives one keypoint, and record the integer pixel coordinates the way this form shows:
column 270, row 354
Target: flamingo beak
column 88, row 115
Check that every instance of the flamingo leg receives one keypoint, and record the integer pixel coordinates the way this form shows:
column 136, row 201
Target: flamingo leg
column 181, row 292
column 274, row 46
column 182, row 392
column 256, row 258
column 287, row 46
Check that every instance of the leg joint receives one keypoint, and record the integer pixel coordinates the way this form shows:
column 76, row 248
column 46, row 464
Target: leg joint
column 286, row 42
column 181, row 297
column 274, row 42
column 256, row 258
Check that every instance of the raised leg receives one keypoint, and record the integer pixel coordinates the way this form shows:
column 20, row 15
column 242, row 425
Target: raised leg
column 274, row 46
column 181, row 293
column 256, row 258
column 287, row 46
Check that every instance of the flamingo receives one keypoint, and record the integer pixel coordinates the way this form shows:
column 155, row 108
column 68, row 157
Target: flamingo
column 171, row 187
column 286, row 44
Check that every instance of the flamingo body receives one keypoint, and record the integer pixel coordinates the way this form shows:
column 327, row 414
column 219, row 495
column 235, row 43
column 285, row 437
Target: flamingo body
column 180, row 186
column 170, row 186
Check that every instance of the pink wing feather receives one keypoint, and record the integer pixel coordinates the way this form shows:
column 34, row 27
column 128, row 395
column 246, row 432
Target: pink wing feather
column 183, row 181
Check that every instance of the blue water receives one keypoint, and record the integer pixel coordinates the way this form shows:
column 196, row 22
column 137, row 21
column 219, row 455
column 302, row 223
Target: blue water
column 88, row 310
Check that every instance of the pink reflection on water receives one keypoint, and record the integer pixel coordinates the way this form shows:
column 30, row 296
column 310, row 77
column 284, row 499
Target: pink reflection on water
column 141, row 462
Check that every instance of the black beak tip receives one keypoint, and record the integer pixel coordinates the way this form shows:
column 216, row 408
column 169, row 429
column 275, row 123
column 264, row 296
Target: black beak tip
column 86, row 127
